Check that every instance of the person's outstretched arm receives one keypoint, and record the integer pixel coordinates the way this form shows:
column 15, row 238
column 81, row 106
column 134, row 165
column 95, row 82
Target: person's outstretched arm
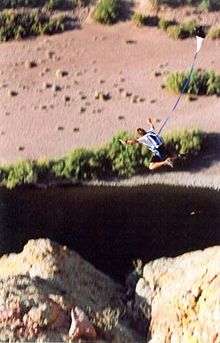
column 151, row 123
column 129, row 141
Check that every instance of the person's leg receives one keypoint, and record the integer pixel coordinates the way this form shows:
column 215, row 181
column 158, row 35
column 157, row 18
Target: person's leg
column 157, row 165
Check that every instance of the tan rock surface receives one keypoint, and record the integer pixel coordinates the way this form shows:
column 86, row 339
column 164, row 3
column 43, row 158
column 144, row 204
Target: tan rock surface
column 40, row 286
column 180, row 298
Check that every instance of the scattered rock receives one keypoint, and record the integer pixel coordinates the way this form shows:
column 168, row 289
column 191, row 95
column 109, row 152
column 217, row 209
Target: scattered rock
column 76, row 82
column 134, row 99
column 12, row 93
column 76, row 129
column 127, row 94
column 101, row 95
column 46, row 70
column 7, row 113
column 60, row 128
column 99, row 110
column 101, row 81
column 142, row 99
column 30, row 64
column 61, row 73
column 82, row 109
column 121, row 90
column 50, row 54
column 163, row 86
column 47, row 85
column 131, row 41
column 115, row 85
column 43, row 107
column 83, row 97
column 122, row 79
column 67, row 98
column 157, row 73
column 56, row 88
column 78, row 73
column 192, row 98
column 153, row 101
column 21, row 148
column 87, row 103
column 2, row 133
column 121, row 117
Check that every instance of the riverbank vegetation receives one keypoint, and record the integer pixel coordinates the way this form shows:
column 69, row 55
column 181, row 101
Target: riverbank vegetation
column 112, row 160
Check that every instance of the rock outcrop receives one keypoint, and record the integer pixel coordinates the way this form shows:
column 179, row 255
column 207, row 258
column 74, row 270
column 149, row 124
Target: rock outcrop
column 178, row 299
column 40, row 287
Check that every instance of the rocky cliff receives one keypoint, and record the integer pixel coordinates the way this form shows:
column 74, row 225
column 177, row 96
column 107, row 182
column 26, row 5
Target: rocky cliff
column 176, row 300
column 179, row 298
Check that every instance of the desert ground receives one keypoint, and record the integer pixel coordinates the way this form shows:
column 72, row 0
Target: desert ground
column 51, row 108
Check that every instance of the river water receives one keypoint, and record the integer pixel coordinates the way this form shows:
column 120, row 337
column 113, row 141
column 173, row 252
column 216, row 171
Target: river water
column 111, row 226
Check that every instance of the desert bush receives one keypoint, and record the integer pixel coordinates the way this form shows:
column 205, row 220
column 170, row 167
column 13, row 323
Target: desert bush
column 142, row 20
column 126, row 160
column 20, row 173
column 79, row 165
column 107, row 11
column 214, row 32
column 50, row 4
column 182, row 31
column 60, row 4
column 208, row 5
column 201, row 83
column 185, row 142
column 20, row 25
column 163, row 24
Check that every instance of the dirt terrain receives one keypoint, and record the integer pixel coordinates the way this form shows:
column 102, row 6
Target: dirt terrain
column 51, row 108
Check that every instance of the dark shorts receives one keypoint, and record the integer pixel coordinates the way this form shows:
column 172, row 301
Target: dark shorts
column 161, row 155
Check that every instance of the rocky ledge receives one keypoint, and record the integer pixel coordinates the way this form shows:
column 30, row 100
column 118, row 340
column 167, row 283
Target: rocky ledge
column 179, row 298
column 49, row 293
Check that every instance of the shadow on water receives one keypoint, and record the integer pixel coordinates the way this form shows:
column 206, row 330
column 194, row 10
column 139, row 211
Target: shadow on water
column 111, row 226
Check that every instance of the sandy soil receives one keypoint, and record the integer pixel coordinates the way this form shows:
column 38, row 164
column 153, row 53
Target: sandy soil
column 38, row 122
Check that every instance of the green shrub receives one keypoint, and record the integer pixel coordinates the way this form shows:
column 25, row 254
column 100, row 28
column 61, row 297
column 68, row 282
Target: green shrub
column 20, row 25
column 201, row 82
column 164, row 24
column 182, row 31
column 107, row 11
column 209, row 5
column 18, row 174
column 142, row 20
column 59, row 4
column 185, row 142
column 79, row 165
column 126, row 160
column 50, row 4
column 214, row 32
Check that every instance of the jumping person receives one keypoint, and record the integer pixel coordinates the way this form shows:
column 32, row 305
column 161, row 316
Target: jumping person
column 155, row 143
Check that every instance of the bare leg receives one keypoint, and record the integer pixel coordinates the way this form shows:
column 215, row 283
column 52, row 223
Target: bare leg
column 157, row 165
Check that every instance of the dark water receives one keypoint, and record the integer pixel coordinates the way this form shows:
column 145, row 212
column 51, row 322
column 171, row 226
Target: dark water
column 111, row 226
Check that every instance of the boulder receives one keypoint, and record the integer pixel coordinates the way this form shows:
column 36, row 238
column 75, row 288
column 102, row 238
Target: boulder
column 40, row 288
column 178, row 298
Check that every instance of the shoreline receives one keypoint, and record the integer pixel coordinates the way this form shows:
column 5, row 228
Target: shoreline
column 177, row 179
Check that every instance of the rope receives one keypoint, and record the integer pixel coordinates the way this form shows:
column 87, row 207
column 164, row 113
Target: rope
column 185, row 85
